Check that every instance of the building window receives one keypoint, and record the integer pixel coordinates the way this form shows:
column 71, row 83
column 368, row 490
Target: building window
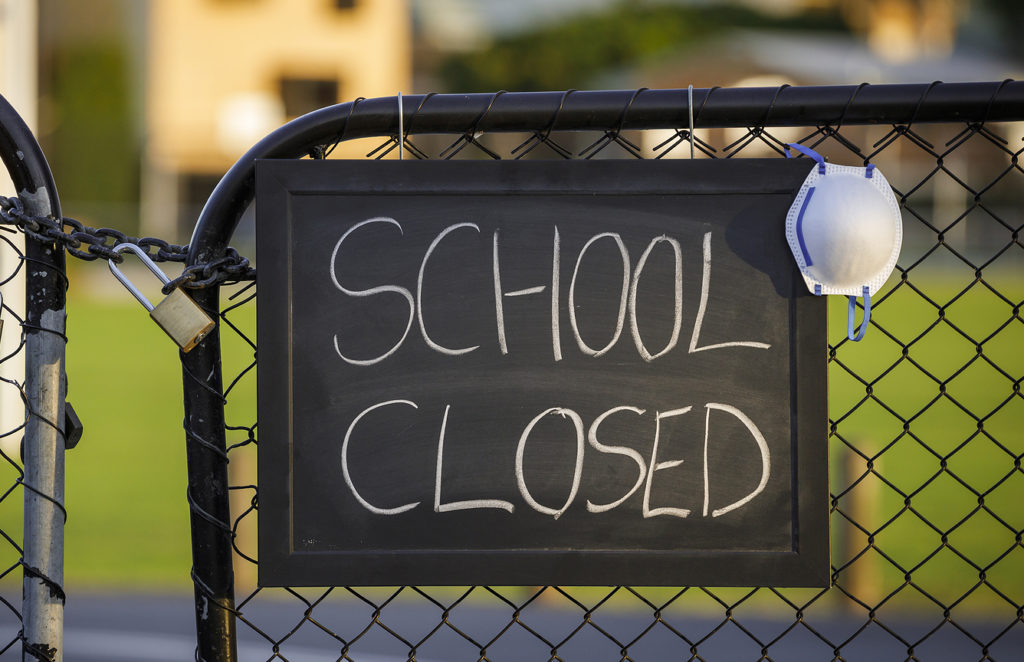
column 303, row 95
column 194, row 190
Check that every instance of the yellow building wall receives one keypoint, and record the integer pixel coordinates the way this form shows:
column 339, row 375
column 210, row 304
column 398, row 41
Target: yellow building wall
column 205, row 53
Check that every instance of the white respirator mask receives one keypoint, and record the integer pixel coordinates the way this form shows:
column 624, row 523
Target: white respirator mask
column 845, row 231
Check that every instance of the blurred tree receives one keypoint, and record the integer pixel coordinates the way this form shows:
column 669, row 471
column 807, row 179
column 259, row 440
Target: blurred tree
column 1008, row 15
column 89, row 109
column 92, row 147
column 570, row 53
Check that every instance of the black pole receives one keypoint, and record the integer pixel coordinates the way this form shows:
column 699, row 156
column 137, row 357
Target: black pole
column 207, row 461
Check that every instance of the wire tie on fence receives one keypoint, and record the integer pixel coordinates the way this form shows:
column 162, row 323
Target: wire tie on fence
column 921, row 101
column 340, row 136
column 209, row 594
column 469, row 137
column 761, row 131
column 615, row 135
column 208, row 445
column 206, row 515
column 401, row 129
column 415, row 151
column 40, row 651
column 47, row 497
column 56, row 591
column 846, row 108
column 979, row 126
column 689, row 108
column 543, row 136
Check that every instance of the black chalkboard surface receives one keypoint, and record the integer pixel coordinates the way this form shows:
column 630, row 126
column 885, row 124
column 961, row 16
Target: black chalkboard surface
column 602, row 372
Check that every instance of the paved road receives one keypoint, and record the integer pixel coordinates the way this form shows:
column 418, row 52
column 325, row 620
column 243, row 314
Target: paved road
column 148, row 628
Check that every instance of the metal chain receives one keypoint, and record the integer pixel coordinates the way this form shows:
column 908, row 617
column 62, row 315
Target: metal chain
column 89, row 244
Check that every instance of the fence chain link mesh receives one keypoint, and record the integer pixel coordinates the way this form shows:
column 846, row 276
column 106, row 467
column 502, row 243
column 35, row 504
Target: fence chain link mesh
column 925, row 444
column 926, row 418
column 13, row 415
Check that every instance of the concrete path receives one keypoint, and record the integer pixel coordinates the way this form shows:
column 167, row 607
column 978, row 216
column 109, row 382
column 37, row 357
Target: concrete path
column 159, row 628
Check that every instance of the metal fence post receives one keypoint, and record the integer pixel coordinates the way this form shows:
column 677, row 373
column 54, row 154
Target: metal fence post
column 43, row 558
column 208, row 502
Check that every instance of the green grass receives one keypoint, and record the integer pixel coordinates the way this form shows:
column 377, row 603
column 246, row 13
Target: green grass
column 941, row 427
column 128, row 519
column 127, row 525
column 939, row 447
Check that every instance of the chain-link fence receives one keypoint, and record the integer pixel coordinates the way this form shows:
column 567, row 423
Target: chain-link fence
column 926, row 413
column 925, row 445
column 12, row 424
column 37, row 426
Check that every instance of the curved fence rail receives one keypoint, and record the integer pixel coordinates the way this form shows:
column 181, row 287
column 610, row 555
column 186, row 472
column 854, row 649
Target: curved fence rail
column 925, row 414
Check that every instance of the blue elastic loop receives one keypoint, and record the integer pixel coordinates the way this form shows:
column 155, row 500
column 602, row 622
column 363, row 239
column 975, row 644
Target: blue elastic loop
column 799, row 227
column 864, row 323
column 869, row 170
column 807, row 151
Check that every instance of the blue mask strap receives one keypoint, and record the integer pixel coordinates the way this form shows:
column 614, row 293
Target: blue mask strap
column 864, row 323
column 807, row 151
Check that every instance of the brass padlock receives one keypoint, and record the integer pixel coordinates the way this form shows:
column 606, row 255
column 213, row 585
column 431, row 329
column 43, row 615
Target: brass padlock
column 178, row 315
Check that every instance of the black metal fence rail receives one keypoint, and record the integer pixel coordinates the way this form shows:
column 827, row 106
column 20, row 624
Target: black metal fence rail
column 544, row 113
column 925, row 443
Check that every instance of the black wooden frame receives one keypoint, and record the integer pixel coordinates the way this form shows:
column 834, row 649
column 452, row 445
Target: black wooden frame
column 725, row 563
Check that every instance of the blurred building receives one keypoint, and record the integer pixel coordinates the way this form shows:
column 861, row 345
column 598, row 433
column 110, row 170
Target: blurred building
column 897, row 30
column 221, row 74
column 17, row 72
column 18, row 86
column 889, row 41
column 906, row 30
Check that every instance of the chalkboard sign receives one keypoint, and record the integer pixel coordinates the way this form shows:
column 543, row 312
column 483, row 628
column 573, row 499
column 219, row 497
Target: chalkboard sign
column 537, row 373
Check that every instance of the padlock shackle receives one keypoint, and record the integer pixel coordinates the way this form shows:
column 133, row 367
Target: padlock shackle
column 120, row 248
